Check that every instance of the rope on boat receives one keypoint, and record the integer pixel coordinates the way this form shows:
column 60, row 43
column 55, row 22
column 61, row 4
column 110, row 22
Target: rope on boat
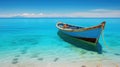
column 107, row 45
column 104, row 42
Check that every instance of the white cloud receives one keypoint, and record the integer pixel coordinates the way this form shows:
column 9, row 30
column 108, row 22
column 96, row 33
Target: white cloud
column 100, row 10
column 97, row 14
column 91, row 13
column 30, row 14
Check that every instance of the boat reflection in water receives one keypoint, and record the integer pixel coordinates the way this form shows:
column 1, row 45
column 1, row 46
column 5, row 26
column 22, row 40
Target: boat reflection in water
column 86, row 38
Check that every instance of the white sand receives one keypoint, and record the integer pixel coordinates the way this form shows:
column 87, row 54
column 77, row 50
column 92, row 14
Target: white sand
column 105, row 63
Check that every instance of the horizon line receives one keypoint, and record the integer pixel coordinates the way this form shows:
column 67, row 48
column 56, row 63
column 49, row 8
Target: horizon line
column 55, row 17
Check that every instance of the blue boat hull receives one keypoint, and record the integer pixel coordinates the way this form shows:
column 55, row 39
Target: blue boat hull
column 94, row 33
column 80, row 43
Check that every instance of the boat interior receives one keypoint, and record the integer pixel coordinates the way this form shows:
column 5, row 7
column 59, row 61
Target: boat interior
column 69, row 26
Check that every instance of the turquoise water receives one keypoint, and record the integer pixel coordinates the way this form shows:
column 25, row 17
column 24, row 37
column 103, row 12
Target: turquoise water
column 36, row 40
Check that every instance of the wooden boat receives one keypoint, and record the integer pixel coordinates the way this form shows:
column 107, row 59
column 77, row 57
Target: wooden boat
column 88, row 36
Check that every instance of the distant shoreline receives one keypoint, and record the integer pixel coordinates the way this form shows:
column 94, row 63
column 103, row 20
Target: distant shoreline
column 53, row 18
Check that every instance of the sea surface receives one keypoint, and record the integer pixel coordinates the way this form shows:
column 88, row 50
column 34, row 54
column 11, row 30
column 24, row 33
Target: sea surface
column 36, row 40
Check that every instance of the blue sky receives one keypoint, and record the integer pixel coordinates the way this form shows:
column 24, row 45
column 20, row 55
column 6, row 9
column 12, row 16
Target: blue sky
column 60, row 8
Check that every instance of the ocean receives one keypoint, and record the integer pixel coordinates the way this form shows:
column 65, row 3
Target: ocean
column 36, row 40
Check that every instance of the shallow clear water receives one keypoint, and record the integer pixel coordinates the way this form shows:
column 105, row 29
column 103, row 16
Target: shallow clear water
column 23, row 40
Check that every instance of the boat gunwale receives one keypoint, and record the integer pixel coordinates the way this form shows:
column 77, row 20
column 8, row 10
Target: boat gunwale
column 81, row 29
